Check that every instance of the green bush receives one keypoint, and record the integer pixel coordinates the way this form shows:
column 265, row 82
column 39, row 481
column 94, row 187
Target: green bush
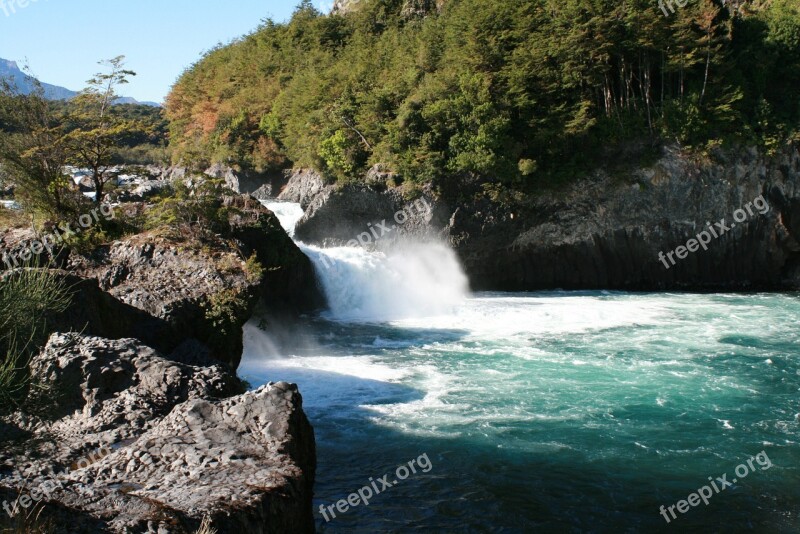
column 223, row 311
column 27, row 298
column 253, row 269
column 192, row 211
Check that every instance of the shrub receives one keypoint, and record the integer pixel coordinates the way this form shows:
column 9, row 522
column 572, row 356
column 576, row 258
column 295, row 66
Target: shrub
column 253, row 269
column 27, row 298
column 224, row 312
column 192, row 211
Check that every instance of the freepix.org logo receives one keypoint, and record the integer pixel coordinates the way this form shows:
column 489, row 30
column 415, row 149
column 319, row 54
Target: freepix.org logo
column 10, row 7
column 669, row 5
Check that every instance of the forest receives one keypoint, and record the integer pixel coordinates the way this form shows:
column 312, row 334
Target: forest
column 524, row 92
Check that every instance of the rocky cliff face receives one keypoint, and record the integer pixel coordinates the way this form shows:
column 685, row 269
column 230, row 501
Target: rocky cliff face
column 603, row 234
column 201, row 292
column 289, row 283
column 340, row 7
column 244, row 183
column 128, row 441
column 336, row 214
column 607, row 232
column 166, row 292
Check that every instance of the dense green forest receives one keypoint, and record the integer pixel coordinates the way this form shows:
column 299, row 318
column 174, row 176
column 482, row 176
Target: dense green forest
column 522, row 91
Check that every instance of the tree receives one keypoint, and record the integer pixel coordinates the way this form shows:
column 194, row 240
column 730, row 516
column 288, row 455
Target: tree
column 475, row 87
column 33, row 153
column 95, row 131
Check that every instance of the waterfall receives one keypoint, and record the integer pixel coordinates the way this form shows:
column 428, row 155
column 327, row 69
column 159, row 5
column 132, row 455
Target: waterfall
column 288, row 214
column 410, row 279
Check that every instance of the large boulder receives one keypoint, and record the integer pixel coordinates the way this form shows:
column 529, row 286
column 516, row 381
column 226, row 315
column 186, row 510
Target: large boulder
column 19, row 247
column 303, row 186
column 243, row 183
column 128, row 441
column 196, row 293
column 379, row 216
column 289, row 283
column 141, row 192
column 204, row 291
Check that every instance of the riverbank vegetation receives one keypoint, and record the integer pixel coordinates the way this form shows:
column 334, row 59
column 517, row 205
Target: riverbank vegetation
column 39, row 138
column 524, row 92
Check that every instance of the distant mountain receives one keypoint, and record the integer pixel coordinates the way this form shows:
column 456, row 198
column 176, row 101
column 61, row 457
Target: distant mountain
column 26, row 85
column 130, row 100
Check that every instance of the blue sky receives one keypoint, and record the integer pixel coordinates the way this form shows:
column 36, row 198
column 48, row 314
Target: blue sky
column 62, row 40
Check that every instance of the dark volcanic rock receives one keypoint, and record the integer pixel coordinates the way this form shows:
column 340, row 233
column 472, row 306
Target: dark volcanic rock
column 178, row 287
column 604, row 232
column 243, row 183
column 144, row 191
column 337, row 216
column 302, row 187
column 600, row 233
column 17, row 246
column 142, row 444
column 95, row 312
column 289, row 283
column 187, row 289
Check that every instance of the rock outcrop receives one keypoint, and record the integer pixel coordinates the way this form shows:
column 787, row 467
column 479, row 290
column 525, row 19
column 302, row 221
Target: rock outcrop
column 289, row 283
column 180, row 289
column 606, row 232
column 600, row 233
column 341, row 7
column 336, row 215
column 410, row 9
column 242, row 183
column 302, row 187
column 128, row 441
column 202, row 292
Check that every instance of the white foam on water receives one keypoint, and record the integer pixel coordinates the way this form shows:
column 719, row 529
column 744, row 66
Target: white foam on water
column 490, row 364
column 521, row 318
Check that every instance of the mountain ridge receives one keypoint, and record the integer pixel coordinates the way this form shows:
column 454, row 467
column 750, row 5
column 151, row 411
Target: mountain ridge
column 25, row 84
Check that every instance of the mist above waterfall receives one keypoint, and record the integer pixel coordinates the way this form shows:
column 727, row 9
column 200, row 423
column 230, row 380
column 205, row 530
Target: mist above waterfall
column 403, row 279
column 407, row 280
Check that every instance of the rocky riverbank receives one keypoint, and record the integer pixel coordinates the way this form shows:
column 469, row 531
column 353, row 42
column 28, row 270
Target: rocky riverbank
column 136, row 415
column 601, row 232
column 142, row 443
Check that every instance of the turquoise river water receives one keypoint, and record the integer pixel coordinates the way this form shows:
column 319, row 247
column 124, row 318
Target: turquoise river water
column 539, row 412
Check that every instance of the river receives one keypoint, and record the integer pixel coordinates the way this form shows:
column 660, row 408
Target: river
column 538, row 412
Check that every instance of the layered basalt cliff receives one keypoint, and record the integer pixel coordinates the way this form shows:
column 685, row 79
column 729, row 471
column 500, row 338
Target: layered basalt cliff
column 603, row 231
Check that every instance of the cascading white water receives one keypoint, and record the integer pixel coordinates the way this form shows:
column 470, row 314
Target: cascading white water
column 288, row 214
column 408, row 280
